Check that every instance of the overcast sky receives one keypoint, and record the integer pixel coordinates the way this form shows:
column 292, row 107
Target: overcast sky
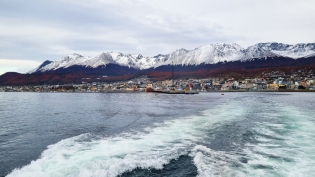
column 37, row 30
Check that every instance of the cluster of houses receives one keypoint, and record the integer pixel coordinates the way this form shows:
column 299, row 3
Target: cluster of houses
column 273, row 82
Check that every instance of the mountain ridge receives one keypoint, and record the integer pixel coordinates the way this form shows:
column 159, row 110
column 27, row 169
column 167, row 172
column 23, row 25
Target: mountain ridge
column 112, row 73
column 212, row 60
column 207, row 54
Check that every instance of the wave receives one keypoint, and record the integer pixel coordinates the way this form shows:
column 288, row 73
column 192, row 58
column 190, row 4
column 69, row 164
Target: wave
column 89, row 155
column 282, row 146
column 277, row 141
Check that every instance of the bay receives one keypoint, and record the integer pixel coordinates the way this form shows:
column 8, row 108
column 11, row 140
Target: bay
column 144, row 134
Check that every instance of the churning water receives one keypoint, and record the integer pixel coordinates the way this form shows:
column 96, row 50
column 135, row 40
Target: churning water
column 143, row 134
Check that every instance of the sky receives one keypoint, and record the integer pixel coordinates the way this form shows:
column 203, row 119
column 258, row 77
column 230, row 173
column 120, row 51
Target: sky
column 37, row 30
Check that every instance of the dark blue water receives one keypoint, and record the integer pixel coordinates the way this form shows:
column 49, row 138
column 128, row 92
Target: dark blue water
column 143, row 134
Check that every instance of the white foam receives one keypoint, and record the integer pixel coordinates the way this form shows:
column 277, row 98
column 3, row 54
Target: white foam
column 112, row 156
column 291, row 144
column 284, row 148
column 213, row 163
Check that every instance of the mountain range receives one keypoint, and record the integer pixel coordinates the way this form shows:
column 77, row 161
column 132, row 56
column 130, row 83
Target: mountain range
column 208, row 54
column 204, row 61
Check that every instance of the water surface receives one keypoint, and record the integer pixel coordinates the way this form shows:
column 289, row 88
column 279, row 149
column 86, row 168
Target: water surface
column 143, row 134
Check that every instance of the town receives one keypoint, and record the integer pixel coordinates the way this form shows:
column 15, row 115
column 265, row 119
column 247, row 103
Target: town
column 272, row 81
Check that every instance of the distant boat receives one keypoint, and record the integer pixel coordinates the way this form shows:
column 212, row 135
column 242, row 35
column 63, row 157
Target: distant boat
column 175, row 92
column 149, row 89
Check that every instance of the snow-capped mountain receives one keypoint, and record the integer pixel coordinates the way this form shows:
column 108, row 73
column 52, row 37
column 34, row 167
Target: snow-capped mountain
column 290, row 51
column 40, row 66
column 256, row 51
column 208, row 54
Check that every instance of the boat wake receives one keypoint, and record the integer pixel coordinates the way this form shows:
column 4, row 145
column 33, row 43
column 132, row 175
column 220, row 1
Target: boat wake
column 89, row 155
column 217, row 143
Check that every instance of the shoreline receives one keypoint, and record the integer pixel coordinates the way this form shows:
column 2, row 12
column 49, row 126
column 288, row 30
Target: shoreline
column 211, row 91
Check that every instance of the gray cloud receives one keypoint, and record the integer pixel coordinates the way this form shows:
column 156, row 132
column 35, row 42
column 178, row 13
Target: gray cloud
column 39, row 30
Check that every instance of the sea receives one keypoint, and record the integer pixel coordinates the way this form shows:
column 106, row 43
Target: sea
column 147, row 134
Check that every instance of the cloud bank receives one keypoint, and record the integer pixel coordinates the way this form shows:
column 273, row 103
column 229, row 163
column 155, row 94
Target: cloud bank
column 47, row 30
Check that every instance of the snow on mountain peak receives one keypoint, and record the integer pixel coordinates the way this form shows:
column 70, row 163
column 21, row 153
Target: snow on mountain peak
column 47, row 62
column 207, row 54
column 210, row 54
column 292, row 51
column 257, row 51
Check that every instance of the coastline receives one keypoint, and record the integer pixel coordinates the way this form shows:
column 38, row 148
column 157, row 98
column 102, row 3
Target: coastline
column 124, row 91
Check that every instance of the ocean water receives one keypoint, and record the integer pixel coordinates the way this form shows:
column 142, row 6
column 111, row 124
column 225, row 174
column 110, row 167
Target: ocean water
column 143, row 134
